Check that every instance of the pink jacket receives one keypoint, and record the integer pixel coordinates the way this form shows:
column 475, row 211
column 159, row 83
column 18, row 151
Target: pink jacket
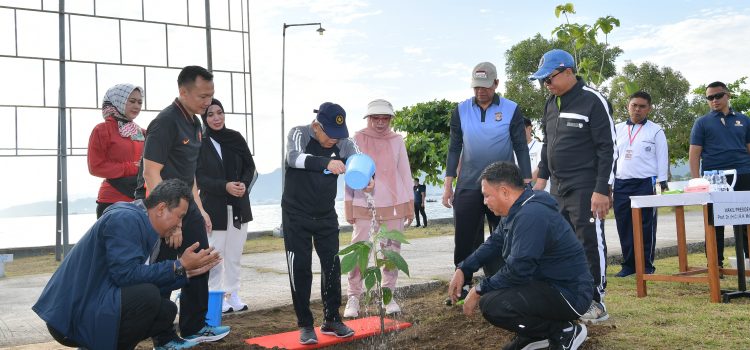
column 393, row 182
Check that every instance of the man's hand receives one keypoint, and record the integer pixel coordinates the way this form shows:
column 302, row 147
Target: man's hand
column 336, row 167
column 448, row 197
column 235, row 188
column 370, row 186
column 197, row 263
column 175, row 239
column 471, row 302
column 207, row 219
column 455, row 286
column 599, row 205
column 540, row 184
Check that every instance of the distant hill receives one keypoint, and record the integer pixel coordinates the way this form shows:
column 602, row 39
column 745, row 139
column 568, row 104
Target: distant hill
column 267, row 190
column 79, row 206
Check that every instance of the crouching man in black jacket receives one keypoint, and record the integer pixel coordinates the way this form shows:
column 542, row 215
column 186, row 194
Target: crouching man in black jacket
column 544, row 283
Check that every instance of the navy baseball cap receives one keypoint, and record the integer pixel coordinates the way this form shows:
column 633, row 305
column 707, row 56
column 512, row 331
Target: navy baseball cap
column 551, row 61
column 333, row 119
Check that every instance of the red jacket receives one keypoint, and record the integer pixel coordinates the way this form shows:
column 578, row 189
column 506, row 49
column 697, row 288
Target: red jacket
column 112, row 156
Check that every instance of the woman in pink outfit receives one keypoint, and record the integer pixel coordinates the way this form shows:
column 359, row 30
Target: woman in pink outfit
column 394, row 201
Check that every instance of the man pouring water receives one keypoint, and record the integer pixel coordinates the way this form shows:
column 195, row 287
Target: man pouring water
column 315, row 157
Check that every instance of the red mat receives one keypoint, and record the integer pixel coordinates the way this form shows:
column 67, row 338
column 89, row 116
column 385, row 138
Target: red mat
column 363, row 328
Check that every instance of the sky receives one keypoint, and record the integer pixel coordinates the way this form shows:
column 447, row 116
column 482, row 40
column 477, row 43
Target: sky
column 403, row 51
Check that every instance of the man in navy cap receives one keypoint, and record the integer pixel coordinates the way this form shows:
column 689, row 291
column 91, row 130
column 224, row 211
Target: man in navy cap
column 315, row 157
column 578, row 157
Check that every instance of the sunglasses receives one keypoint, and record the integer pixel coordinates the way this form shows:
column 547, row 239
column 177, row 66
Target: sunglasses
column 548, row 80
column 716, row 96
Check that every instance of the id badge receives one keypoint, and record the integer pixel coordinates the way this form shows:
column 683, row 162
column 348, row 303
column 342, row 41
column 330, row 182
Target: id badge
column 628, row 154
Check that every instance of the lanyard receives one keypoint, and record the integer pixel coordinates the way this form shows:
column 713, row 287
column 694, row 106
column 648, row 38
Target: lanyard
column 636, row 133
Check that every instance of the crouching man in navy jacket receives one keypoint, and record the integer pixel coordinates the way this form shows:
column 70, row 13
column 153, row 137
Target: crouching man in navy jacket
column 107, row 292
column 544, row 283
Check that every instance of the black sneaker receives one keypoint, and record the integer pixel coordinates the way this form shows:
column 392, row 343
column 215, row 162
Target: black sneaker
column 570, row 339
column 337, row 328
column 307, row 335
column 520, row 342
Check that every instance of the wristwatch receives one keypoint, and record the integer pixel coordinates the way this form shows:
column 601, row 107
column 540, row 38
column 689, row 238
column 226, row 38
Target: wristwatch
column 179, row 270
column 478, row 289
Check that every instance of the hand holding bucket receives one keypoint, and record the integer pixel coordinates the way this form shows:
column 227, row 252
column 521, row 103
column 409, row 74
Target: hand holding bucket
column 359, row 170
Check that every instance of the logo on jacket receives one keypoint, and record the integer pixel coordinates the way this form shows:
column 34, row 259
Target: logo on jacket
column 498, row 116
column 648, row 149
column 185, row 141
column 737, row 123
column 339, row 119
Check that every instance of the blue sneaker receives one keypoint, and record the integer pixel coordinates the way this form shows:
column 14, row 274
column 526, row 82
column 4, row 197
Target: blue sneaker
column 209, row 334
column 177, row 344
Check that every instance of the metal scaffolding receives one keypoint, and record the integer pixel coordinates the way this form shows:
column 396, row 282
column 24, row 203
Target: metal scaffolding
column 228, row 37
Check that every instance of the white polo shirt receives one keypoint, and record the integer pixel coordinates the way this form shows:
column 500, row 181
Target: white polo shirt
column 535, row 155
column 641, row 151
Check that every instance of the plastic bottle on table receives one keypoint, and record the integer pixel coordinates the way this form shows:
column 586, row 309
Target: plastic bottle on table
column 724, row 184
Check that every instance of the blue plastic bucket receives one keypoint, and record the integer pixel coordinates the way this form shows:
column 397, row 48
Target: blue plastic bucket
column 213, row 316
column 359, row 170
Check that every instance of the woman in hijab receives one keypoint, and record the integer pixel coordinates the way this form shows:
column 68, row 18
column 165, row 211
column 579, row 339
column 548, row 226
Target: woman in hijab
column 225, row 175
column 116, row 146
column 394, row 200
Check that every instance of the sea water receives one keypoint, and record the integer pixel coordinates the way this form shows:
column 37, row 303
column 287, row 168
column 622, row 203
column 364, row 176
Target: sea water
column 39, row 231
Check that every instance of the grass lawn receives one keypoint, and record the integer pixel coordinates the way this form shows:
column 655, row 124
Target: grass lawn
column 674, row 315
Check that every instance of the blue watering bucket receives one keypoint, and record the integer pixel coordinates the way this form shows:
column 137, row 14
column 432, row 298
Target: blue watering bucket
column 213, row 316
column 359, row 170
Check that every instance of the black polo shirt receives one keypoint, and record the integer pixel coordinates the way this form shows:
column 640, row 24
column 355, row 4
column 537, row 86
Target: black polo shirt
column 173, row 139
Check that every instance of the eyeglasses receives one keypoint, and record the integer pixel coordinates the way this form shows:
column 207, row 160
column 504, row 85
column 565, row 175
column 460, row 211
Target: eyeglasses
column 716, row 96
column 548, row 80
column 380, row 117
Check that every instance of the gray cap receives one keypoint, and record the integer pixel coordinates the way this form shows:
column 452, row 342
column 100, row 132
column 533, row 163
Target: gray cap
column 483, row 75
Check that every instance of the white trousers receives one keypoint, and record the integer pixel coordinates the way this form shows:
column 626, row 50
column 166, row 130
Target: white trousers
column 230, row 243
column 361, row 232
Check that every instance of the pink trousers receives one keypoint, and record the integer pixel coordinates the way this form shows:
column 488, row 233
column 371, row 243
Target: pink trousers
column 361, row 232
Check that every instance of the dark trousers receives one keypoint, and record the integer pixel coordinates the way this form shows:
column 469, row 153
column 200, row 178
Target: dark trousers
column 300, row 235
column 742, row 184
column 623, row 189
column 469, row 213
column 194, row 295
column 143, row 314
column 419, row 209
column 575, row 207
column 100, row 208
column 535, row 310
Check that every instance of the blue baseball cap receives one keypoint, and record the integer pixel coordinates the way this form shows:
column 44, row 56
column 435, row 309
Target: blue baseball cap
column 333, row 119
column 551, row 61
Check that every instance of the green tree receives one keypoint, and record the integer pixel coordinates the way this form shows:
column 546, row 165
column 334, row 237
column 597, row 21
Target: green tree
column 577, row 37
column 427, row 126
column 521, row 60
column 669, row 93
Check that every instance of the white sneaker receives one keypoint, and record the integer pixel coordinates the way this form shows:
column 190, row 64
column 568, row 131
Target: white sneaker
column 235, row 302
column 392, row 308
column 352, row 307
column 225, row 307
